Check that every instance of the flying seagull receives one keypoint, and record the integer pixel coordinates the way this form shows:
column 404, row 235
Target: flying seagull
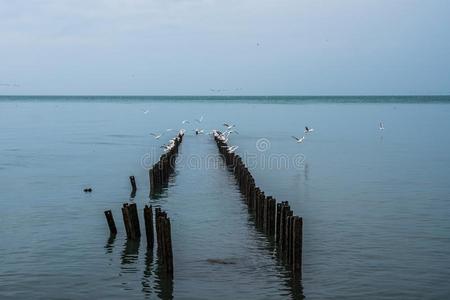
column 199, row 131
column 308, row 130
column 156, row 135
column 299, row 140
column 199, row 120
column 228, row 126
column 186, row 122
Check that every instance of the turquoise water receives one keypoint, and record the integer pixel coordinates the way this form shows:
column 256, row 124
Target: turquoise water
column 376, row 204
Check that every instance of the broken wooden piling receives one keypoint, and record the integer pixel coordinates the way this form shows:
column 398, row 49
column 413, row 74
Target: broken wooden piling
column 148, row 219
column 111, row 223
column 131, row 221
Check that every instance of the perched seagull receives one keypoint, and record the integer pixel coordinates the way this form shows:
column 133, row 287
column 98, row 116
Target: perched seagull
column 308, row 130
column 381, row 126
column 167, row 147
column 228, row 126
column 156, row 135
column 231, row 149
column 199, row 120
column 299, row 140
column 185, row 122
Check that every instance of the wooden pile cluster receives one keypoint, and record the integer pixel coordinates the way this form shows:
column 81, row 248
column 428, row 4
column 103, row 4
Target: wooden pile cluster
column 276, row 220
column 132, row 228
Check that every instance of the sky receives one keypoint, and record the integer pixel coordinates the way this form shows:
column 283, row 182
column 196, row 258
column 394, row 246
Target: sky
column 232, row 47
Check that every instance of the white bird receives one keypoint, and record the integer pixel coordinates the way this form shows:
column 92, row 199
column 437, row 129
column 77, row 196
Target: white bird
column 228, row 126
column 231, row 149
column 381, row 126
column 146, row 111
column 228, row 132
column 299, row 140
column 199, row 131
column 199, row 120
column 156, row 135
column 166, row 147
column 185, row 122
column 308, row 130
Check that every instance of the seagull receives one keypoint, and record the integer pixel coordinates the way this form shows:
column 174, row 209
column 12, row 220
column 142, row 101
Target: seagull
column 146, row 111
column 199, row 120
column 231, row 149
column 381, row 126
column 156, row 135
column 185, row 122
column 198, row 131
column 228, row 126
column 308, row 130
column 228, row 132
column 169, row 129
column 167, row 147
column 299, row 140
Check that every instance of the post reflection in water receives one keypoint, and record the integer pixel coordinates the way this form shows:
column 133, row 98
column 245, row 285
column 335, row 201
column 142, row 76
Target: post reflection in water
column 267, row 244
column 163, row 282
column 110, row 244
column 130, row 255
column 147, row 278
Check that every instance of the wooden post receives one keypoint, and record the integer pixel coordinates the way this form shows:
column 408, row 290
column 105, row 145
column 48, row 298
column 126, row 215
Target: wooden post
column 277, row 229
column 148, row 219
column 133, row 184
column 111, row 223
column 132, row 208
column 297, row 247
column 286, row 236
column 168, row 246
column 127, row 222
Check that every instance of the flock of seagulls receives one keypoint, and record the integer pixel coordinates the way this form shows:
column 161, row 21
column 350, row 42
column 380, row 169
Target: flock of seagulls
column 224, row 136
column 307, row 131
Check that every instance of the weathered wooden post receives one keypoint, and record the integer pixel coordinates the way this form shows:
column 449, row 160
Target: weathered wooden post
column 127, row 222
column 133, row 184
column 148, row 219
column 111, row 223
column 297, row 247
column 132, row 208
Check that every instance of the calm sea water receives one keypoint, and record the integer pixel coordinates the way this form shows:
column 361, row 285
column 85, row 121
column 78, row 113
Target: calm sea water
column 376, row 204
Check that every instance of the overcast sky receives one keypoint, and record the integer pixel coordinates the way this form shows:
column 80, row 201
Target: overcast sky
column 205, row 47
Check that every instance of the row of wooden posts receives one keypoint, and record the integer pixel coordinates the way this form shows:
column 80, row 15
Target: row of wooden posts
column 161, row 170
column 159, row 177
column 276, row 220
column 133, row 230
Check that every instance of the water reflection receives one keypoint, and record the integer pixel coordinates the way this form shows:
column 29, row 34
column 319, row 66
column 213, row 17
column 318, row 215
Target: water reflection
column 130, row 255
column 267, row 244
column 110, row 243
column 147, row 284
column 163, row 282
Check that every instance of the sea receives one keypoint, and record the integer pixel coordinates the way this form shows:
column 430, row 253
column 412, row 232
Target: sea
column 375, row 202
